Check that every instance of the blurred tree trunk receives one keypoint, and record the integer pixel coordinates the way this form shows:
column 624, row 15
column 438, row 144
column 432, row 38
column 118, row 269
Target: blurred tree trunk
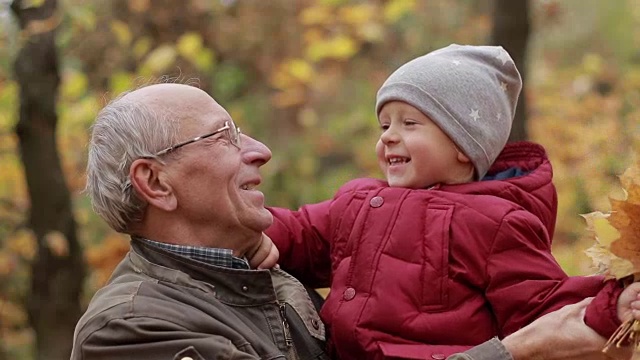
column 511, row 31
column 57, row 272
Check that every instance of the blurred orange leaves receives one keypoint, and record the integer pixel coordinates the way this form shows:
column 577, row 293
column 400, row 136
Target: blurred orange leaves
column 104, row 257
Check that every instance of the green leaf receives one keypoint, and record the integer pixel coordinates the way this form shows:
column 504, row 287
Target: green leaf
column 228, row 81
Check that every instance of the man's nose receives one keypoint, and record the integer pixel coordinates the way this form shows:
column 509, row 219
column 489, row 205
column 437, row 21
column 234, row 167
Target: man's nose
column 253, row 151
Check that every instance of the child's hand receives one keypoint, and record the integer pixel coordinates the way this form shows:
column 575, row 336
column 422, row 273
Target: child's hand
column 265, row 255
column 629, row 303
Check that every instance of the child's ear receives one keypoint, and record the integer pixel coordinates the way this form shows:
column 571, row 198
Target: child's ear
column 462, row 157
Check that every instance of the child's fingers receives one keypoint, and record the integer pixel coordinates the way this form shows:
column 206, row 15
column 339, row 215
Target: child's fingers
column 272, row 259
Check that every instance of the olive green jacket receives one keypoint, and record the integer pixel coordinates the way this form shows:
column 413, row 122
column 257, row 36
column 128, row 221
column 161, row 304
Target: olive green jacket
column 158, row 305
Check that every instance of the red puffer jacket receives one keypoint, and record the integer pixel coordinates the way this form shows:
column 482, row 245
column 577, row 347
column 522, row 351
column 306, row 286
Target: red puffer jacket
column 421, row 274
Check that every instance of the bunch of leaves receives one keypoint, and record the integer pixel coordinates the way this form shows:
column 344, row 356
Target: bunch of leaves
column 617, row 250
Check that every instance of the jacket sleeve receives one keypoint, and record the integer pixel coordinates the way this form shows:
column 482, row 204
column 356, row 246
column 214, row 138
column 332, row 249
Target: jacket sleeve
column 489, row 350
column 162, row 340
column 303, row 239
column 602, row 313
column 525, row 281
column 421, row 351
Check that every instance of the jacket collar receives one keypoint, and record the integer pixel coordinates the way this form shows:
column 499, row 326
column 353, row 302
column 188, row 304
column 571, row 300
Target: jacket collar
column 233, row 286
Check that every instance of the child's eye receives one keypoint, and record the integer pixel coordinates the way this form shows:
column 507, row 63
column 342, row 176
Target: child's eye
column 409, row 122
column 384, row 127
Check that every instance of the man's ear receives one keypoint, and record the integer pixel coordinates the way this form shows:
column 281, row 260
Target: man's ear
column 150, row 184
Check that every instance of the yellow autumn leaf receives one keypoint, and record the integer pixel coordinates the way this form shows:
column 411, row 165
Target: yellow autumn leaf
column 74, row 84
column 141, row 47
column 617, row 234
column 620, row 268
column 122, row 32
column 356, row 14
column 394, row 10
column 23, row 243
column 630, row 180
column 608, row 264
column 205, row 60
column 301, row 70
column 598, row 224
column 120, row 81
column 317, row 50
column 189, row 45
column 57, row 243
column 625, row 217
column 316, row 15
column 628, row 245
column 159, row 60
column 343, row 47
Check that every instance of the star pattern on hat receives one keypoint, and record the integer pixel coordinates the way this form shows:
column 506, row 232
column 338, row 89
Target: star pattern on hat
column 456, row 62
column 503, row 86
column 503, row 56
column 474, row 114
column 499, row 116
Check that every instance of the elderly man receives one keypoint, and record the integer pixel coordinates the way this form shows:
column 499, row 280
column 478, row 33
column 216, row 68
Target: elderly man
column 168, row 166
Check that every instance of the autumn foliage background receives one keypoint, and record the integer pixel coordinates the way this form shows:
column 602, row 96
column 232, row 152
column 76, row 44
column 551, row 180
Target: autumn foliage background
column 301, row 75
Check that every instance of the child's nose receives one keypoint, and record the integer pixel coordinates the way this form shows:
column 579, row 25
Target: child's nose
column 390, row 136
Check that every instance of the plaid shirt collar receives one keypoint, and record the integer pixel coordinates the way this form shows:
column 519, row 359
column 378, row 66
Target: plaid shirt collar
column 212, row 256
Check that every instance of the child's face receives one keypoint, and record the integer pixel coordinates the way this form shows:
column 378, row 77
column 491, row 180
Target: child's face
column 413, row 152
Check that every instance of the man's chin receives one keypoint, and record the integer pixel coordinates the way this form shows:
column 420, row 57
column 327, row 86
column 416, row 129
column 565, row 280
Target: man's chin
column 264, row 220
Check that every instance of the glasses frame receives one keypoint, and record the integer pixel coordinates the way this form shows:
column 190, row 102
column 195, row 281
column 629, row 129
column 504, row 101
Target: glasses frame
column 229, row 126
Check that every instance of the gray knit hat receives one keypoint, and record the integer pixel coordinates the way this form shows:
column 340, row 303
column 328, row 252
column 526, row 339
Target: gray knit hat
column 471, row 92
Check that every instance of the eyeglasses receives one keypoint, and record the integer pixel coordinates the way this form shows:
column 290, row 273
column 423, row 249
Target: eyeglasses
column 233, row 133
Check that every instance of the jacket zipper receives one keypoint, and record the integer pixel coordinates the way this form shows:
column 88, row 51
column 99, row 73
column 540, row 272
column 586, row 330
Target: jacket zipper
column 285, row 325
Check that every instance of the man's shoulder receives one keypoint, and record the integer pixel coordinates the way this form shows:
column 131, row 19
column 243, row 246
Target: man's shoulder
column 131, row 301
column 114, row 300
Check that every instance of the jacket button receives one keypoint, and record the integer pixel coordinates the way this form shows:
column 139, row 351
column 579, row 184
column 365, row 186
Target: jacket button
column 186, row 358
column 245, row 289
column 376, row 201
column 438, row 356
column 349, row 294
column 315, row 323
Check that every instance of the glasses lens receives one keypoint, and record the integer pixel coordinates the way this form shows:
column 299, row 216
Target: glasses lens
column 234, row 134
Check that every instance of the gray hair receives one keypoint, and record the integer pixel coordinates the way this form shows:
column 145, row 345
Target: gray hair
column 123, row 132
